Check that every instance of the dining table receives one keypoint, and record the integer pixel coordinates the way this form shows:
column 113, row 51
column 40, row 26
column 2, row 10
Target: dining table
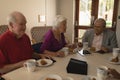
column 94, row 60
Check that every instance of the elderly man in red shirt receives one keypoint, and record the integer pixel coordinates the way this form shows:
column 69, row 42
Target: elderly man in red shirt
column 15, row 46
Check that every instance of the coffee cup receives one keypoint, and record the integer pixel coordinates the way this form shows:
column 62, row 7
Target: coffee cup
column 116, row 52
column 102, row 73
column 65, row 50
column 30, row 65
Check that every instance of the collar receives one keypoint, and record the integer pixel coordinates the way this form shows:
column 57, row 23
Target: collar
column 98, row 35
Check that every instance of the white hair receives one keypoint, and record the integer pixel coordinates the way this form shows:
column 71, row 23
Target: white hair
column 10, row 19
column 58, row 20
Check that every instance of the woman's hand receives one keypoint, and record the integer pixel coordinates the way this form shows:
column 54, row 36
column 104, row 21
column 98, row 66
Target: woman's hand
column 45, row 56
column 60, row 54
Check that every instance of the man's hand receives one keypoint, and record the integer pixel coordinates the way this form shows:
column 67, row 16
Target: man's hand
column 104, row 49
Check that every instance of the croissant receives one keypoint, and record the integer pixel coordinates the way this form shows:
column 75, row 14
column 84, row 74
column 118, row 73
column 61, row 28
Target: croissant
column 115, row 59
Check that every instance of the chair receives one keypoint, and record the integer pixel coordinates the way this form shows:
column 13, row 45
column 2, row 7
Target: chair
column 38, row 32
column 3, row 28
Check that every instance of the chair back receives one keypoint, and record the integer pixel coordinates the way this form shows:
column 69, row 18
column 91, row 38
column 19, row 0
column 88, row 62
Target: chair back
column 3, row 28
column 38, row 32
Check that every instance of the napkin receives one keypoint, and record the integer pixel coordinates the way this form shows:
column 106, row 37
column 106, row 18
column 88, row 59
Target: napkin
column 86, row 52
column 77, row 66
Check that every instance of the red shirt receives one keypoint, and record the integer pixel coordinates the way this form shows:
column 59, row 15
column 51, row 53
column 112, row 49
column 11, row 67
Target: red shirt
column 13, row 50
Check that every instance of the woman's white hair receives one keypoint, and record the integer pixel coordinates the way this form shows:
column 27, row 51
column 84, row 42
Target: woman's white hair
column 57, row 21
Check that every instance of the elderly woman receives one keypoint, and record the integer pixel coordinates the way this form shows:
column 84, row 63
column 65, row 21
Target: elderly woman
column 54, row 39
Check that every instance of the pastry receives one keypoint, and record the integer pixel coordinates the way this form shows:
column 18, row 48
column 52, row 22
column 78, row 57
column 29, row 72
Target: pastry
column 93, row 79
column 43, row 62
column 50, row 79
column 92, row 49
column 115, row 59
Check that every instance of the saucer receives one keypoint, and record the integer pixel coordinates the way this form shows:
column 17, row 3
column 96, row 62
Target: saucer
column 116, row 63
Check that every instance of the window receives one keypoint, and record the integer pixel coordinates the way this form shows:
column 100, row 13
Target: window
column 105, row 10
column 86, row 11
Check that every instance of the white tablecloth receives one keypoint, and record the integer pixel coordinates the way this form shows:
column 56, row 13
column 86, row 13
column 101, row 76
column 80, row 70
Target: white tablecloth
column 94, row 60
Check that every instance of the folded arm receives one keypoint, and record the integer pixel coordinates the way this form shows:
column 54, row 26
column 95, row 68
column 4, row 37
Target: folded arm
column 10, row 67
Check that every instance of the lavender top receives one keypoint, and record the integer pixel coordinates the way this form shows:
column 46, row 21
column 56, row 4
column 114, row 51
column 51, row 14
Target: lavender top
column 51, row 43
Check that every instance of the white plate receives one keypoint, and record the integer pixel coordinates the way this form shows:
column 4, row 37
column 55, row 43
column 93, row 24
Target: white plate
column 53, row 76
column 116, row 63
column 89, row 77
column 49, row 62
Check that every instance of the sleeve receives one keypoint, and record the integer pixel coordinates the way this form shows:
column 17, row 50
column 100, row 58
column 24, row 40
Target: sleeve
column 46, row 43
column 2, row 59
column 112, row 42
column 85, row 36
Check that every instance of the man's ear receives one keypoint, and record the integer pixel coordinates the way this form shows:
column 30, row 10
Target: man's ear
column 11, row 24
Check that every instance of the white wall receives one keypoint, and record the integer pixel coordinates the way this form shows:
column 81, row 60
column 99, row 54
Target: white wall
column 51, row 11
column 30, row 8
column 65, row 8
column 118, row 26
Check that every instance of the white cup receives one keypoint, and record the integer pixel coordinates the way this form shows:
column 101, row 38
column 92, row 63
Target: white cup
column 30, row 65
column 102, row 73
column 85, row 45
column 116, row 52
column 65, row 50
